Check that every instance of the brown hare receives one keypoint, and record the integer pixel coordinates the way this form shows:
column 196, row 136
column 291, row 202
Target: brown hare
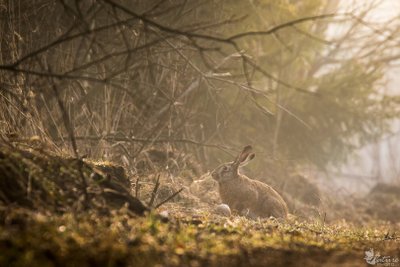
column 250, row 197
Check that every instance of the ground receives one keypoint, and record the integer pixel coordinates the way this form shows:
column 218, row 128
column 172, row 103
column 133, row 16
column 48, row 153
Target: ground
column 36, row 239
column 47, row 227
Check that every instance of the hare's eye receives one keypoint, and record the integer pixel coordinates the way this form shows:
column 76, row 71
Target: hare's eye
column 225, row 168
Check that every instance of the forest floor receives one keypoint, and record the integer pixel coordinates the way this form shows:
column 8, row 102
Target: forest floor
column 44, row 221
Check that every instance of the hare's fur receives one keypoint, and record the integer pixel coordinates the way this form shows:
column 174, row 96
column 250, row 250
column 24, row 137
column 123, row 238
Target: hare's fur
column 250, row 197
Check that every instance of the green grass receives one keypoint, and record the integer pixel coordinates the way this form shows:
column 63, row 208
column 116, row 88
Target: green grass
column 34, row 239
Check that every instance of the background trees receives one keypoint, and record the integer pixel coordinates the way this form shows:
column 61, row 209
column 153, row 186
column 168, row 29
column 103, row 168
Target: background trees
column 301, row 81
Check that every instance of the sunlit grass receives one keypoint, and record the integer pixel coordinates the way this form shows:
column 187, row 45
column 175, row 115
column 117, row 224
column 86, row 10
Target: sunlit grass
column 33, row 239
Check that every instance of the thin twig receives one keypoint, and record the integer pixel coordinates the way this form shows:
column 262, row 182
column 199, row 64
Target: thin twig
column 154, row 193
column 168, row 198
column 148, row 140
column 70, row 130
column 137, row 188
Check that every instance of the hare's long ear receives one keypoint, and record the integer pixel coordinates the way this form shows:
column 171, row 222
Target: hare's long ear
column 248, row 158
column 244, row 156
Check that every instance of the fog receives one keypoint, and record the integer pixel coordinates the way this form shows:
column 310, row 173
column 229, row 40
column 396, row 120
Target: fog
column 377, row 162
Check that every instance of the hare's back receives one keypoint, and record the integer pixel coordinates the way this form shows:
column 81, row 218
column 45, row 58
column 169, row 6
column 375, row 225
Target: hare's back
column 265, row 189
column 270, row 201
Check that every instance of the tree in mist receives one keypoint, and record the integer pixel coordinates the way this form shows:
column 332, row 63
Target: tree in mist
column 122, row 76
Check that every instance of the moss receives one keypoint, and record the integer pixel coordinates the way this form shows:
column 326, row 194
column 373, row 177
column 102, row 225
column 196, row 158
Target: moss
column 91, row 239
column 42, row 180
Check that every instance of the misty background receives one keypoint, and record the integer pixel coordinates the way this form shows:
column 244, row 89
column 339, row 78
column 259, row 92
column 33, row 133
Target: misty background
column 377, row 162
